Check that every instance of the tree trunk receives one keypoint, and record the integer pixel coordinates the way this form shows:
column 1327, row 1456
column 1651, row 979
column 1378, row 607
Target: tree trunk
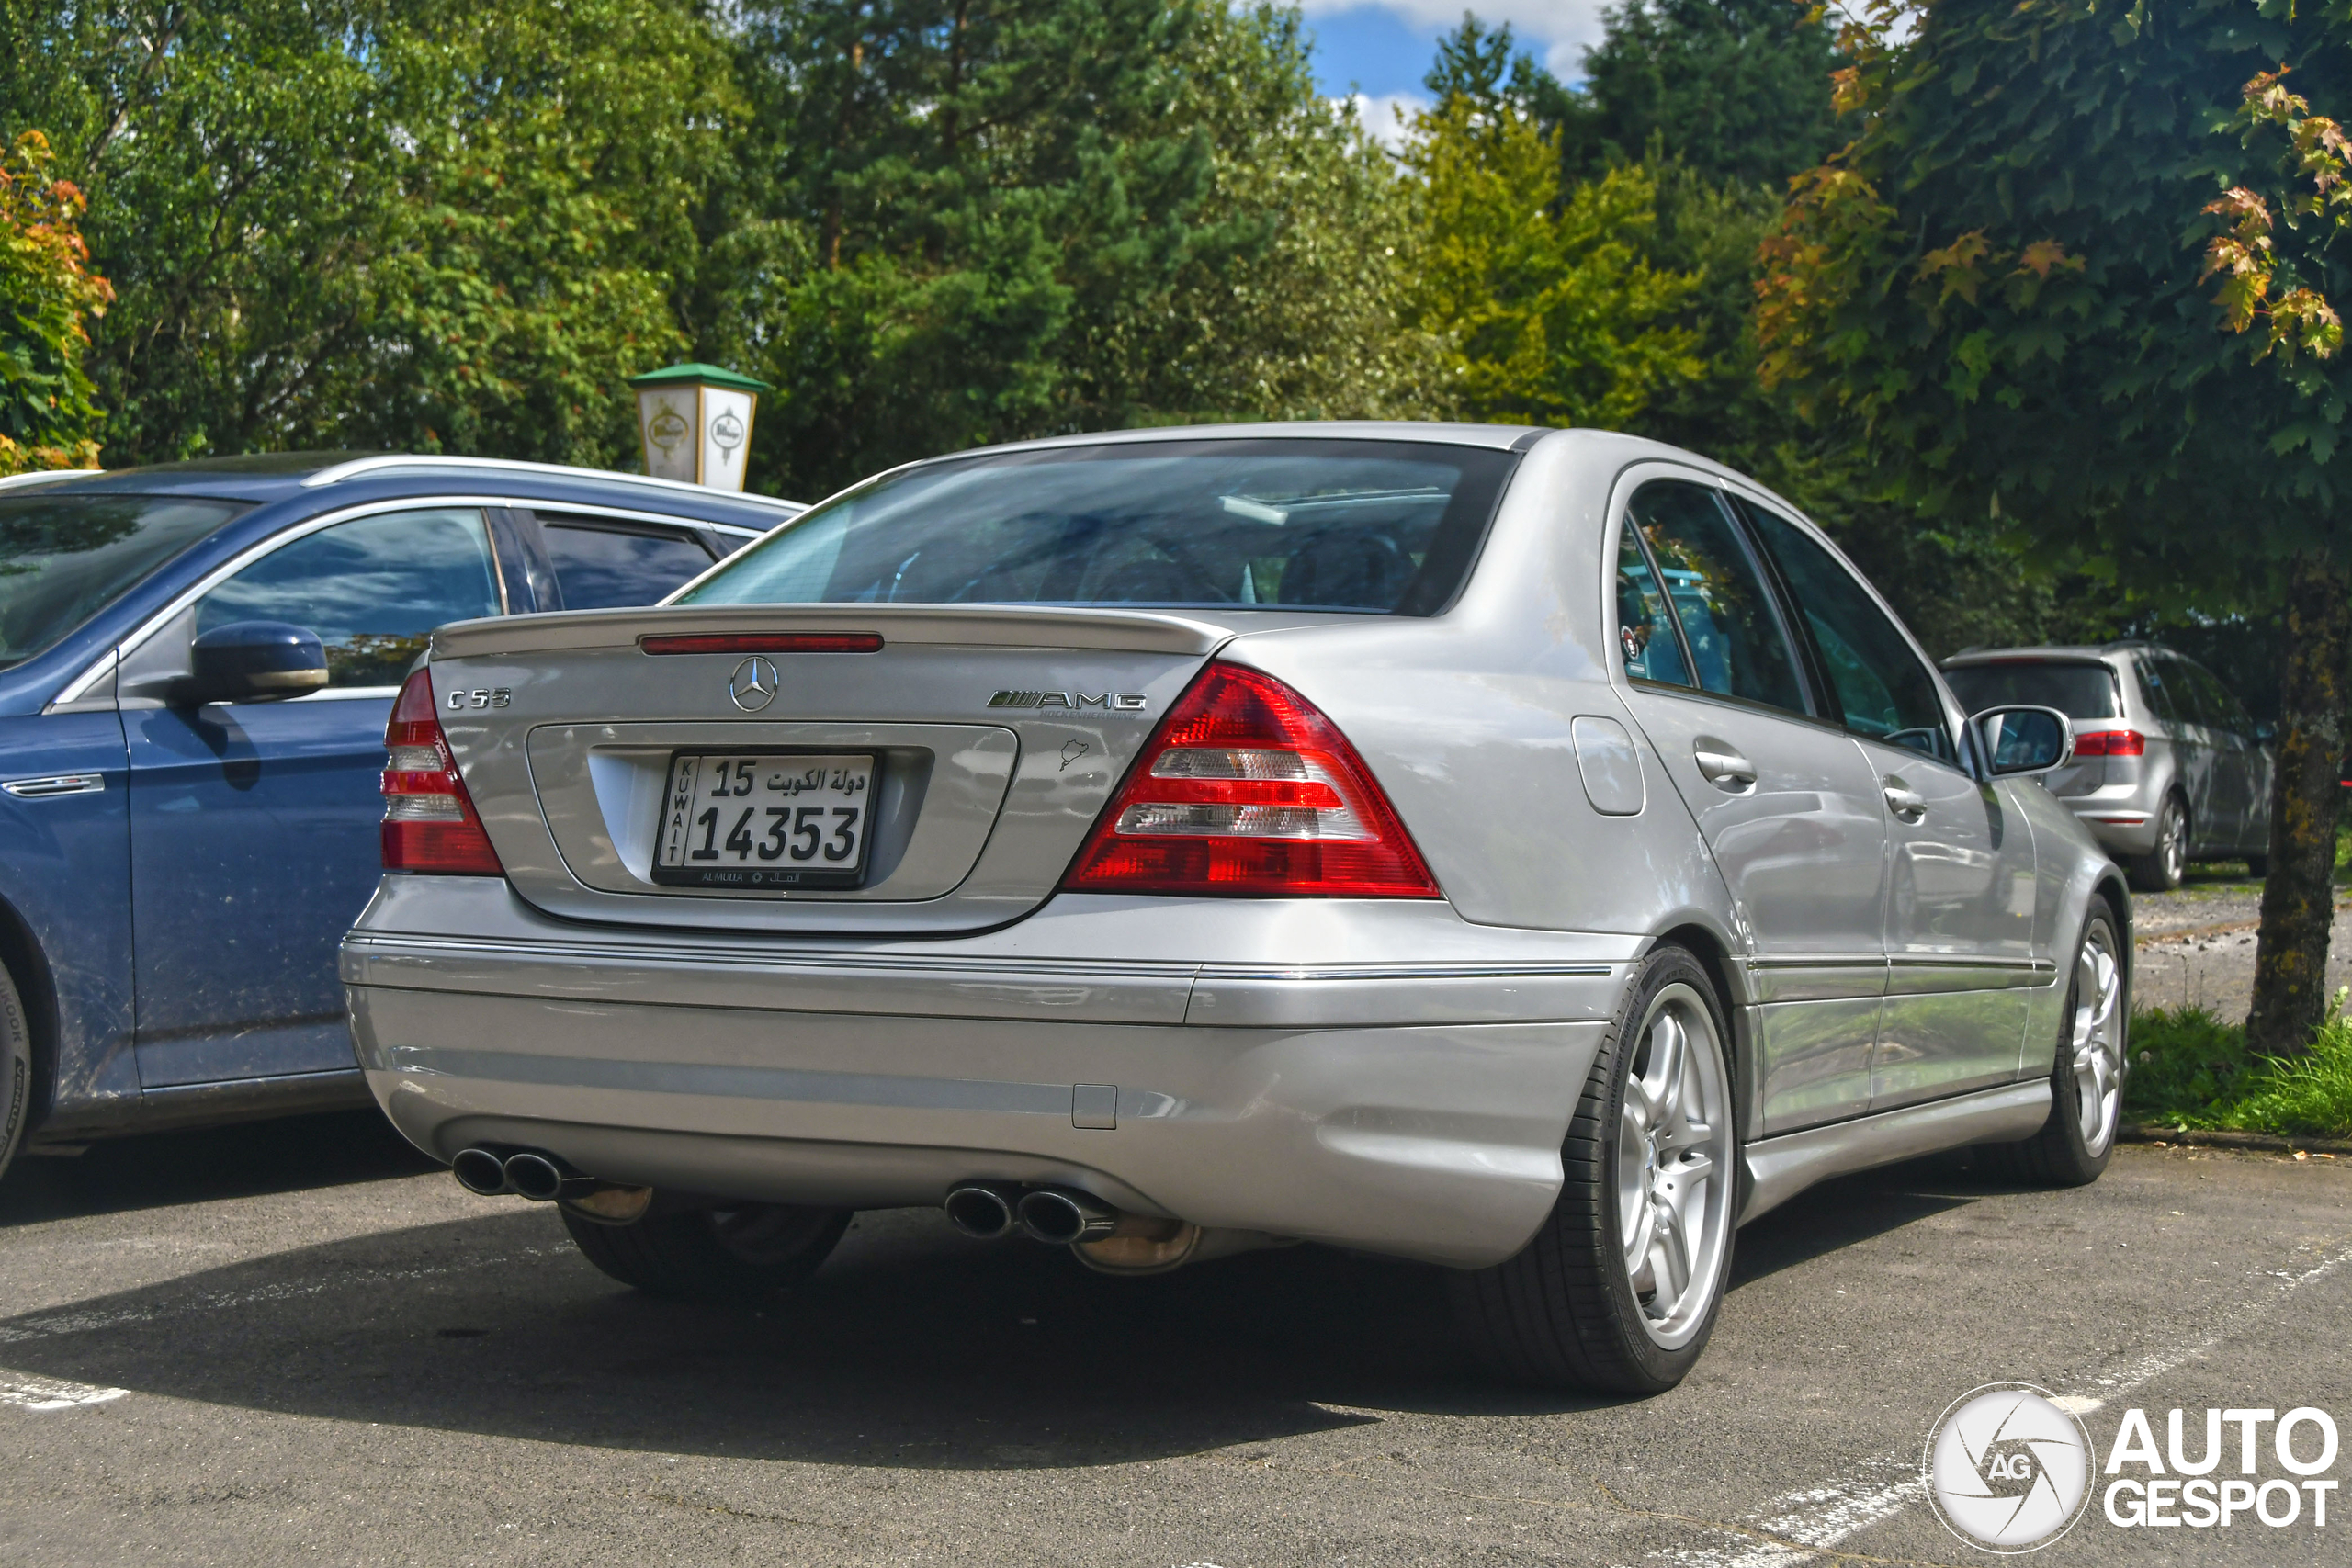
column 2299, row 899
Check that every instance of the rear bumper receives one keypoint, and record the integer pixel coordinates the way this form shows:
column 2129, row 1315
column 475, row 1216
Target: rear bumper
column 2122, row 822
column 1410, row 1098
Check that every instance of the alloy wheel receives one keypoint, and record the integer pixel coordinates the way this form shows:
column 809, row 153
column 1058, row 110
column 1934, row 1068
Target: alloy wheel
column 1675, row 1172
column 2175, row 847
column 2097, row 1037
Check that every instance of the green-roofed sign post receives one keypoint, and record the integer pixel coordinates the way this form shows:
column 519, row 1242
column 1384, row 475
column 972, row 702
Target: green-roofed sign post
column 695, row 422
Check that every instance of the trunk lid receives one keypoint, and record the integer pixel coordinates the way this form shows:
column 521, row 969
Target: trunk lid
column 998, row 734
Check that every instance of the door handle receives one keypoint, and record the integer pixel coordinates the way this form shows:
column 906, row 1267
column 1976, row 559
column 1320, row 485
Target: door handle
column 1904, row 801
column 1724, row 768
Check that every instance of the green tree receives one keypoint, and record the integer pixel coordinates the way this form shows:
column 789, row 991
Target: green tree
column 47, row 293
column 1553, row 312
column 396, row 222
column 966, row 221
column 1736, row 90
column 2004, row 279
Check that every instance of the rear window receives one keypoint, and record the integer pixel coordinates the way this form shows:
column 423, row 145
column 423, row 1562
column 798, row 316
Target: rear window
column 2078, row 691
column 1375, row 528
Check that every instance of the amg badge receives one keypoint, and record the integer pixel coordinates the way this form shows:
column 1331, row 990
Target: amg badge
column 1123, row 701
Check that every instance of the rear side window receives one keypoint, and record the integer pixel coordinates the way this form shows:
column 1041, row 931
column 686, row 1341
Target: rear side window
column 1728, row 616
column 1645, row 624
column 2077, row 690
column 603, row 569
column 1884, row 689
column 65, row 557
column 1379, row 527
column 373, row 589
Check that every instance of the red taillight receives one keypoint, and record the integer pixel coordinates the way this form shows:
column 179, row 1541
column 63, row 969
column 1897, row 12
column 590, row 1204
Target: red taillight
column 429, row 821
column 765, row 642
column 1247, row 790
column 2110, row 743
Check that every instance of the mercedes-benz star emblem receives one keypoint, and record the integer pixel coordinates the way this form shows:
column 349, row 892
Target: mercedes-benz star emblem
column 753, row 685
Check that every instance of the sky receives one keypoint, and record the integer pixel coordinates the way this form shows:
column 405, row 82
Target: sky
column 1379, row 50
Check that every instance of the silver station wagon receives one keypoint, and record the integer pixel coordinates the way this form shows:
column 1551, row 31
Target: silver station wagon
column 1530, row 852
column 2168, row 767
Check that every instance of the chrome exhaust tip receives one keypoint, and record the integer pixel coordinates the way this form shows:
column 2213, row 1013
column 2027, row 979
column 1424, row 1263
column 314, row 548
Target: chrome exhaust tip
column 1059, row 1216
column 542, row 1177
column 980, row 1210
column 480, row 1171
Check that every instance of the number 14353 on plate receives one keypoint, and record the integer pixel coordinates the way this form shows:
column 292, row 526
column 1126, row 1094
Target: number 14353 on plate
column 772, row 820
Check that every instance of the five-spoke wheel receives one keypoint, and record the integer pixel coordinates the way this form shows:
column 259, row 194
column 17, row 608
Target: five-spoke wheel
column 1674, row 1166
column 1619, row 1289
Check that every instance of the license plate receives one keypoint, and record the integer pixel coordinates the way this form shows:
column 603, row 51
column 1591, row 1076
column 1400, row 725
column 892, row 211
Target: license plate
column 764, row 820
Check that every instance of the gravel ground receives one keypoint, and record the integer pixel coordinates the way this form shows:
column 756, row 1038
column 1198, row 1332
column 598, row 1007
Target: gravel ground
column 296, row 1343
column 2196, row 944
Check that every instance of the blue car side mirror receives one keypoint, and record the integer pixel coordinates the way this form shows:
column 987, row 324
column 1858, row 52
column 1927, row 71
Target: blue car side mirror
column 252, row 661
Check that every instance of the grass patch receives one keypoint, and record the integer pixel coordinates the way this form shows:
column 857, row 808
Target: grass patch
column 2190, row 1069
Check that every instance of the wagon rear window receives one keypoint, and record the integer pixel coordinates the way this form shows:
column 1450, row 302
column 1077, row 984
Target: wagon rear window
column 2076, row 690
column 1375, row 527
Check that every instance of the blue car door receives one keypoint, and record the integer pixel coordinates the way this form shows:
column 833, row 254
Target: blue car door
column 253, row 825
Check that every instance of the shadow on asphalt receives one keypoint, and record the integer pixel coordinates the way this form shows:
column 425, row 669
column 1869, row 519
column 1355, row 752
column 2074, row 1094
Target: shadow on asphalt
column 163, row 1168
column 912, row 1348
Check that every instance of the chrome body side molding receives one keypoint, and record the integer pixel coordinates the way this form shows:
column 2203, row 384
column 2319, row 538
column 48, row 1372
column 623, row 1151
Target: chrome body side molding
column 1779, row 1169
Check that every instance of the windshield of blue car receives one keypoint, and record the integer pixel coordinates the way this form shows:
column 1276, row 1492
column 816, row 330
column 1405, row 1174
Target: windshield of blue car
column 65, row 557
column 1369, row 526
column 2077, row 690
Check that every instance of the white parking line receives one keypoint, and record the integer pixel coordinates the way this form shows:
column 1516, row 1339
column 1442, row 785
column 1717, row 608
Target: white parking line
column 28, row 1393
column 1819, row 1517
column 51, row 1325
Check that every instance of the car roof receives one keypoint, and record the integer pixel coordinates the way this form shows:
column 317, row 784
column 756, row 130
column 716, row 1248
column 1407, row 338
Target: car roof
column 2055, row 654
column 266, row 478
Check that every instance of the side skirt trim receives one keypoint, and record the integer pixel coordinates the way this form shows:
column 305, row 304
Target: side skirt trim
column 1778, row 1168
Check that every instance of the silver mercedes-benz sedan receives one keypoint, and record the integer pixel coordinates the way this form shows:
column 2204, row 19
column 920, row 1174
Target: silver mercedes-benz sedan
column 1532, row 853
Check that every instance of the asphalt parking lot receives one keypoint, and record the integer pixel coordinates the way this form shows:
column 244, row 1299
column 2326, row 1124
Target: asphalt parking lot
column 299, row 1343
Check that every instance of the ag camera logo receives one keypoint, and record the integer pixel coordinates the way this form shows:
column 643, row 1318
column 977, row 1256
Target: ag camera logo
column 2006, row 1470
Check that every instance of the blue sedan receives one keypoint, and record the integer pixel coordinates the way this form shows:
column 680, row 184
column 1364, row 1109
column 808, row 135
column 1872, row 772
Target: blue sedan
column 188, row 802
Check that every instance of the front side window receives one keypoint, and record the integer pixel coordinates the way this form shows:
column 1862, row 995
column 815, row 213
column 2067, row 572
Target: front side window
column 64, row 558
column 373, row 589
column 1718, row 592
column 605, row 569
column 1380, row 527
column 1884, row 688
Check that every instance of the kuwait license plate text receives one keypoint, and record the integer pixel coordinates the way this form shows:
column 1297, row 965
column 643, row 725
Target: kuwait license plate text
column 764, row 821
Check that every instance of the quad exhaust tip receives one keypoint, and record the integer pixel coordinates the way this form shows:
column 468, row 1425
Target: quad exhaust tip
column 1060, row 1217
column 982, row 1209
column 479, row 1171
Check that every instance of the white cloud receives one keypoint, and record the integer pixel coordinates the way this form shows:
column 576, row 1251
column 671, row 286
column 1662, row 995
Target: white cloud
column 1556, row 30
column 1387, row 117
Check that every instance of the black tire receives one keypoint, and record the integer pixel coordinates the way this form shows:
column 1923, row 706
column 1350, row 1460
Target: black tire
column 2061, row 1155
column 2161, row 869
column 15, row 1070
column 2258, row 867
column 1564, row 1312
column 738, row 1254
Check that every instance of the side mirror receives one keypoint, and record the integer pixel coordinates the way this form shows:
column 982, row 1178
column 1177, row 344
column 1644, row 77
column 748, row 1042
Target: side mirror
column 2023, row 740
column 252, row 661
